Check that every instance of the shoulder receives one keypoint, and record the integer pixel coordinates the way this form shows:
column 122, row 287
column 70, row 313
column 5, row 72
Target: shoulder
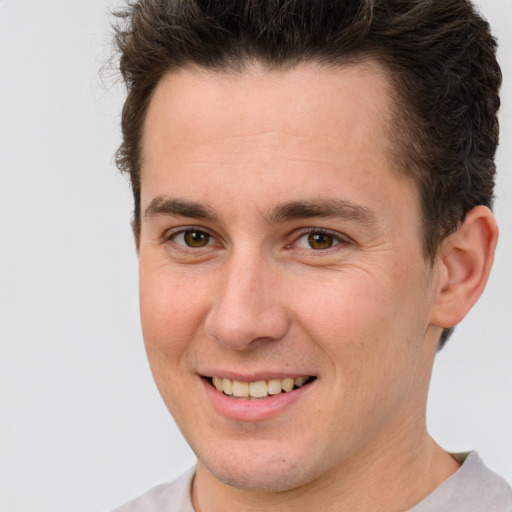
column 168, row 497
column 473, row 488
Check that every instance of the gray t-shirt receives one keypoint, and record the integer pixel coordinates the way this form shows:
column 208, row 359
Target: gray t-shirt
column 473, row 488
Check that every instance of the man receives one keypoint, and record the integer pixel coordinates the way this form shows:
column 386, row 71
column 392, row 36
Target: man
column 312, row 184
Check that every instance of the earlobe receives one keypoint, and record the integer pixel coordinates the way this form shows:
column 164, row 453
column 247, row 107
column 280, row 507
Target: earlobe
column 464, row 262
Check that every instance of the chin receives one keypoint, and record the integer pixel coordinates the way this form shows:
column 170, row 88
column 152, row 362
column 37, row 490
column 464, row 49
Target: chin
column 258, row 471
column 260, row 480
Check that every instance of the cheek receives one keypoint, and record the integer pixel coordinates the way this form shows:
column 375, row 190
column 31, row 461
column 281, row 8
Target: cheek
column 342, row 309
column 171, row 309
column 371, row 332
column 171, row 314
column 361, row 320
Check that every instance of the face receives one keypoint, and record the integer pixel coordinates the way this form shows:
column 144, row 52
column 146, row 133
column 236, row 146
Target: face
column 281, row 258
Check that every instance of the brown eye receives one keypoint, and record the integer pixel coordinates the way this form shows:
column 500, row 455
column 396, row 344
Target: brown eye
column 195, row 238
column 320, row 240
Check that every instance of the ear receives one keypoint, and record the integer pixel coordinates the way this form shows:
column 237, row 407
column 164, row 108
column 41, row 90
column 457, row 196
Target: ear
column 464, row 262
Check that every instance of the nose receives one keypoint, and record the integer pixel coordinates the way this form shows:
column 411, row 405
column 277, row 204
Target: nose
column 246, row 308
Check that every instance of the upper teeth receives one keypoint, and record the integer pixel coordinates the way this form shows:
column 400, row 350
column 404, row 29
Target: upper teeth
column 257, row 389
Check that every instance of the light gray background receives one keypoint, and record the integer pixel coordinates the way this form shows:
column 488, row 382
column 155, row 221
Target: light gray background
column 82, row 427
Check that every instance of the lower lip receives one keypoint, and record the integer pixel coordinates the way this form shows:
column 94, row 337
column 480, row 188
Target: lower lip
column 259, row 409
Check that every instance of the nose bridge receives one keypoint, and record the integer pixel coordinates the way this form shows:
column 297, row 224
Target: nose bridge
column 247, row 306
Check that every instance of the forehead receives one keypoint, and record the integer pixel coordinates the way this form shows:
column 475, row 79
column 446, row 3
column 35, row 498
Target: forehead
column 299, row 130
column 195, row 109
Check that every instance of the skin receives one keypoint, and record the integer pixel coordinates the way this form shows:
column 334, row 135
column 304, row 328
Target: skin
column 363, row 316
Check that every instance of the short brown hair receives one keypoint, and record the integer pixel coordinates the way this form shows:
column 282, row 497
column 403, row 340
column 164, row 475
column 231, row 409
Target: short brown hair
column 439, row 54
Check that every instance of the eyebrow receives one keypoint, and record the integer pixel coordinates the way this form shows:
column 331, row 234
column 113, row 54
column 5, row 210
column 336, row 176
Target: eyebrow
column 323, row 208
column 294, row 210
column 162, row 205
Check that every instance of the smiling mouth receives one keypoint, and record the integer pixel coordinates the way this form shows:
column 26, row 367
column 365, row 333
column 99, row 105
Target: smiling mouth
column 258, row 389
